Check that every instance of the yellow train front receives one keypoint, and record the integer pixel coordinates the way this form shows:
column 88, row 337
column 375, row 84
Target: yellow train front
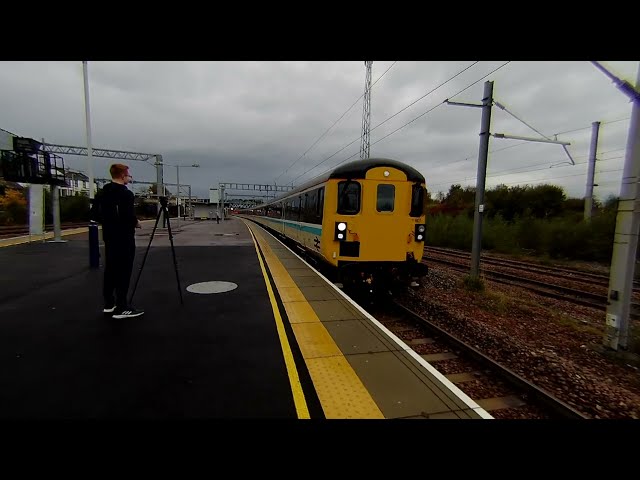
column 366, row 218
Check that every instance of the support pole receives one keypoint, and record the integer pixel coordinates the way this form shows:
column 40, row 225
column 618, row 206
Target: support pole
column 625, row 242
column 588, row 197
column 160, row 188
column 178, row 197
column 94, row 246
column 36, row 210
column 476, row 247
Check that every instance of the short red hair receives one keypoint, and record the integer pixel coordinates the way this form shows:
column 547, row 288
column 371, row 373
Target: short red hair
column 118, row 170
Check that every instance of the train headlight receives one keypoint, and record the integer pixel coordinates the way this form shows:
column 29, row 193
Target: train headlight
column 340, row 231
column 419, row 233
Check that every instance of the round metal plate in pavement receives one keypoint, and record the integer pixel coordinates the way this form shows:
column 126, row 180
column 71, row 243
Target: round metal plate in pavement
column 211, row 287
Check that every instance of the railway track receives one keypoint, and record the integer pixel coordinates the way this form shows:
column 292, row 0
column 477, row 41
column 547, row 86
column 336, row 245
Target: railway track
column 19, row 230
column 552, row 290
column 500, row 391
column 568, row 273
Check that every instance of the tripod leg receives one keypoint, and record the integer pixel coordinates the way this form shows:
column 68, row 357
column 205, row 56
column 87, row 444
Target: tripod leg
column 153, row 232
column 175, row 263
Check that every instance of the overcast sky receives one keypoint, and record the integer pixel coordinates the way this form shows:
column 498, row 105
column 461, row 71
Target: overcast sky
column 248, row 122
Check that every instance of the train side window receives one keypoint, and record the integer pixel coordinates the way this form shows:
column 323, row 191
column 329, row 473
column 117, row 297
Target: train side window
column 348, row 197
column 304, row 208
column 287, row 210
column 386, row 198
column 320, row 205
column 417, row 201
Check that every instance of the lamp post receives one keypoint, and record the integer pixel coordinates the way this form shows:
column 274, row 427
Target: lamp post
column 94, row 248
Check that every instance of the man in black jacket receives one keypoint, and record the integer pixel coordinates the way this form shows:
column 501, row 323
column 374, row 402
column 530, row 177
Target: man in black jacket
column 113, row 207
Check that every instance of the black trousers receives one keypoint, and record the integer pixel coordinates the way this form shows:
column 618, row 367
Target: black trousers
column 118, row 264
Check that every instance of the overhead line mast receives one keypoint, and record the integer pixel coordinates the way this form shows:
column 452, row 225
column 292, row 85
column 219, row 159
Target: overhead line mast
column 365, row 144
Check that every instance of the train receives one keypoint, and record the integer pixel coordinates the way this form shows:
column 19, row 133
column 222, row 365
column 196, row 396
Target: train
column 364, row 220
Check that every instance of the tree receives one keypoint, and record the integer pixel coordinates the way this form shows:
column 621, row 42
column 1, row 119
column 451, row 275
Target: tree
column 13, row 208
column 545, row 200
column 611, row 203
column 459, row 197
column 427, row 197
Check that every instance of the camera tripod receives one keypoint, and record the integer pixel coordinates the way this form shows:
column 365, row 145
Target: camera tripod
column 163, row 209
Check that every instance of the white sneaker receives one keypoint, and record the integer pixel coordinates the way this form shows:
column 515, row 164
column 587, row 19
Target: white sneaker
column 128, row 312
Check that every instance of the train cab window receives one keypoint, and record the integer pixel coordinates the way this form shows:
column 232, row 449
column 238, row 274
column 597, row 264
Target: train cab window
column 348, row 197
column 386, row 198
column 417, row 201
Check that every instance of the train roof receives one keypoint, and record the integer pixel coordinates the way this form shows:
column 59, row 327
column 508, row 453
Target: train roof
column 359, row 169
column 354, row 170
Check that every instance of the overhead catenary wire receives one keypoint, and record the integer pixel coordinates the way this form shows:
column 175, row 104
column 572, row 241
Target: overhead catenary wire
column 589, row 127
column 471, row 156
column 502, row 107
column 387, row 119
column 431, row 109
column 411, row 121
column 503, row 173
column 333, row 125
column 564, row 176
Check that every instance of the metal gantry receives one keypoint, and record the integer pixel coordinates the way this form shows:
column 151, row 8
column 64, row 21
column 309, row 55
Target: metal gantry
column 256, row 186
column 97, row 152
column 115, row 154
column 365, row 145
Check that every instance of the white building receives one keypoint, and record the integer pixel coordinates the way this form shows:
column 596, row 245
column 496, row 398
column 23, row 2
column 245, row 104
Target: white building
column 77, row 184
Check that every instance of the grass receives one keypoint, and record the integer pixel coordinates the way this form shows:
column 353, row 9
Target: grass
column 502, row 303
column 498, row 302
column 473, row 284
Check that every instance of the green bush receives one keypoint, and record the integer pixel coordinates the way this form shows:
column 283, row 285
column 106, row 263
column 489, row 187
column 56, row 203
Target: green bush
column 560, row 237
column 499, row 235
column 529, row 234
column 449, row 231
column 74, row 208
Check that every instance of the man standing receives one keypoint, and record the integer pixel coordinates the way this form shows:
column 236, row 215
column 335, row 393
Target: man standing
column 113, row 207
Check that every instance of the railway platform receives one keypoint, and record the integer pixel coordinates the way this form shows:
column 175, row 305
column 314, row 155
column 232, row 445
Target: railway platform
column 261, row 334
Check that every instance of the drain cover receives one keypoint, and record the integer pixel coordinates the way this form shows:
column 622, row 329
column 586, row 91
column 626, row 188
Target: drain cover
column 211, row 287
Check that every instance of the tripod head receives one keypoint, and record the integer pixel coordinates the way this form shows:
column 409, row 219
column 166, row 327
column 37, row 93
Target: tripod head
column 164, row 201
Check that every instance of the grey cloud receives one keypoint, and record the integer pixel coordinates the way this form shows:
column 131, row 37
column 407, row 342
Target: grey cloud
column 249, row 121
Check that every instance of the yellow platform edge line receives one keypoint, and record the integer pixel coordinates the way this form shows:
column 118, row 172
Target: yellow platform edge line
column 366, row 406
column 296, row 387
column 10, row 242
